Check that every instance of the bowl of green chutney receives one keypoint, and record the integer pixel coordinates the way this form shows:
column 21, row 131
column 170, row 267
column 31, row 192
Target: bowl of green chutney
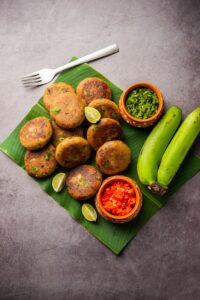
column 141, row 104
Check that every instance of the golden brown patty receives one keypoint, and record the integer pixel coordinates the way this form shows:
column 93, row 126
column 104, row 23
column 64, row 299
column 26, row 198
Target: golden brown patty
column 113, row 157
column 36, row 133
column 83, row 182
column 93, row 88
column 59, row 134
column 54, row 90
column 107, row 108
column 67, row 110
column 106, row 130
column 72, row 152
column 40, row 163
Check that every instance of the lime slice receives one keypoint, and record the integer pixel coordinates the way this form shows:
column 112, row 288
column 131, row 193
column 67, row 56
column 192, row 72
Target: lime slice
column 89, row 212
column 92, row 114
column 58, row 182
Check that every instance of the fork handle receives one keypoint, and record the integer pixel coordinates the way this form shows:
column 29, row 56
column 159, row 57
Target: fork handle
column 95, row 55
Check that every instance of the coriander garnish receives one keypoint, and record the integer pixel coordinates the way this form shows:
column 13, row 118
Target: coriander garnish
column 55, row 110
column 47, row 155
column 82, row 181
column 113, row 114
column 95, row 127
column 34, row 168
column 107, row 164
column 61, row 138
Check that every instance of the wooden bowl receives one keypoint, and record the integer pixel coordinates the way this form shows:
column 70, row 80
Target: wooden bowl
column 118, row 219
column 135, row 121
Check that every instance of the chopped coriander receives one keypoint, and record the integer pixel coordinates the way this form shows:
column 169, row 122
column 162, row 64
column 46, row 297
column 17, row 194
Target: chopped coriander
column 95, row 127
column 61, row 138
column 47, row 155
column 142, row 103
column 34, row 168
column 55, row 110
column 113, row 114
column 82, row 181
column 107, row 164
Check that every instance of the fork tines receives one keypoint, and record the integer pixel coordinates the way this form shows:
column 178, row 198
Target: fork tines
column 31, row 80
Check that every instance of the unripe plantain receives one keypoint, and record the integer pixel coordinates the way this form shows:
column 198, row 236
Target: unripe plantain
column 178, row 148
column 155, row 145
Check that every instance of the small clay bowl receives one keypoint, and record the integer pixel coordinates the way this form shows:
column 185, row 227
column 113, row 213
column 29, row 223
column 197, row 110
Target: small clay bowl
column 135, row 121
column 110, row 217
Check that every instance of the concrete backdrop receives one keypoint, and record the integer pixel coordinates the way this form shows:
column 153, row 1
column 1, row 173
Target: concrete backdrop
column 44, row 253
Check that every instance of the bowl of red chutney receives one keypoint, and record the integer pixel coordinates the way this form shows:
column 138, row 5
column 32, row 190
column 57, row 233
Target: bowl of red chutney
column 119, row 199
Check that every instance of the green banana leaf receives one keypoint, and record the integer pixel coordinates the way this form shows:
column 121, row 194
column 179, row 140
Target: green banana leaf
column 114, row 236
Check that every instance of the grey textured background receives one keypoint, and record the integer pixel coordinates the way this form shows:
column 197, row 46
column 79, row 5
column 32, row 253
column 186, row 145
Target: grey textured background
column 44, row 253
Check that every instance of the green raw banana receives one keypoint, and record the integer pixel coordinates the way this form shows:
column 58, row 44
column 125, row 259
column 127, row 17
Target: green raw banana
column 178, row 148
column 155, row 145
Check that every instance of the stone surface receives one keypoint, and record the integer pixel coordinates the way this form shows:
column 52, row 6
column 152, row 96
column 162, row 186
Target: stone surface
column 44, row 253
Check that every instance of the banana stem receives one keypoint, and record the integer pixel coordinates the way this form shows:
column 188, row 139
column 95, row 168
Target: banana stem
column 157, row 188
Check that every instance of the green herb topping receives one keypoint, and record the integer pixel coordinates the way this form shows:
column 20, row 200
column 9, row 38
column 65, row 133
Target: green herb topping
column 142, row 103
column 34, row 168
column 113, row 114
column 55, row 110
column 61, row 138
column 47, row 155
column 95, row 127
column 106, row 164
column 82, row 181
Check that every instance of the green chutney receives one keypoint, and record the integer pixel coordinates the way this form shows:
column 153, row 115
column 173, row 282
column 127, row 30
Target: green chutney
column 142, row 103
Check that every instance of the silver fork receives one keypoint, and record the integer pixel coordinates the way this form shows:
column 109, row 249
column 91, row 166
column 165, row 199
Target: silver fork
column 46, row 75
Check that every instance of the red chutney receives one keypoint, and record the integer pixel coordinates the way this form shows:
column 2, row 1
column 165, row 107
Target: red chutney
column 118, row 198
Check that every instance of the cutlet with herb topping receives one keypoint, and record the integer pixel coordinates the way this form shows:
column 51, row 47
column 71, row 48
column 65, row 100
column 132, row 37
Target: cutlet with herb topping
column 67, row 110
column 40, row 163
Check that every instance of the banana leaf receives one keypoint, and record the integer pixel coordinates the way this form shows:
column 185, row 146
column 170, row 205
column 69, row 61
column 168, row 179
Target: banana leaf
column 114, row 236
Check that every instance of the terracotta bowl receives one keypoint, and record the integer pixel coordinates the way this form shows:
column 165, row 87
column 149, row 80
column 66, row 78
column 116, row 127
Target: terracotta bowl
column 135, row 121
column 119, row 219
